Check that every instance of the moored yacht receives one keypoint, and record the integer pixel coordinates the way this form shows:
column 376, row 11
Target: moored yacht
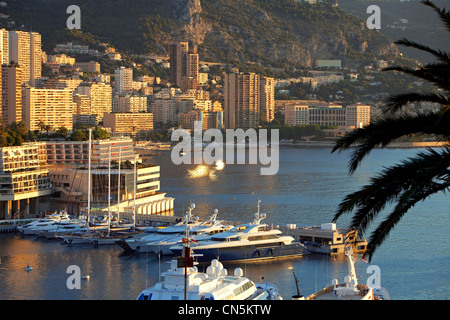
column 252, row 241
column 35, row 227
column 203, row 231
column 350, row 289
column 140, row 244
column 215, row 284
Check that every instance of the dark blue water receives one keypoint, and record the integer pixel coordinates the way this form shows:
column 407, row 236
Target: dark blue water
column 414, row 260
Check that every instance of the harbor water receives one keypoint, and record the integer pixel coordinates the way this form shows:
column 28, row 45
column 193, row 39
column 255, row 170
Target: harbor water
column 414, row 260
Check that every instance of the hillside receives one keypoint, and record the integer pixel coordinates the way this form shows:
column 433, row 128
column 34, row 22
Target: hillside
column 406, row 19
column 272, row 33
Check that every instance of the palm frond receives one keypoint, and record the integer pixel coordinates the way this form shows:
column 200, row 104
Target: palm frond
column 406, row 202
column 385, row 130
column 396, row 102
column 440, row 55
column 443, row 14
column 406, row 184
column 436, row 73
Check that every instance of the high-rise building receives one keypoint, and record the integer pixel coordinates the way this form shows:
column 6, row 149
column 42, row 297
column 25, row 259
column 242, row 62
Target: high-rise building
column 184, row 66
column 4, row 46
column 242, row 102
column 124, row 80
column 267, row 98
column 11, row 93
column 25, row 49
column 178, row 52
column 52, row 107
column 100, row 95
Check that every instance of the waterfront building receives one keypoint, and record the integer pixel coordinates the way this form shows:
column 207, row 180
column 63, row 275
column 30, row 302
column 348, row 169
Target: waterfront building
column 128, row 123
column 24, row 180
column 50, row 106
column 326, row 114
column 71, row 189
column 357, row 115
column 77, row 152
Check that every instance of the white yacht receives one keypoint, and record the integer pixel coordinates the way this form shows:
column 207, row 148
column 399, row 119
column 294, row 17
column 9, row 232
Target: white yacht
column 203, row 231
column 215, row 284
column 350, row 289
column 141, row 244
column 57, row 229
column 252, row 241
column 33, row 228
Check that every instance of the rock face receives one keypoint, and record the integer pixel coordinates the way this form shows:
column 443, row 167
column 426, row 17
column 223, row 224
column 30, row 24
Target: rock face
column 277, row 33
column 240, row 30
column 187, row 10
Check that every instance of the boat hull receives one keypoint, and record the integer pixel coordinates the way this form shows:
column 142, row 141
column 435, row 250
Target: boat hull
column 247, row 253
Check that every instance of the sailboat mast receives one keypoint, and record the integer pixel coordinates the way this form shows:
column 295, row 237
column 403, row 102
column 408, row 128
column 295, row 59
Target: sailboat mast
column 109, row 190
column 89, row 179
column 134, row 193
column 118, row 187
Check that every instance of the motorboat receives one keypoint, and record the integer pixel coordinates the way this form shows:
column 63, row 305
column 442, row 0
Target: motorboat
column 350, row 289
column 252, row 241
column 141, row 244
column 43, row 224
column 53, row 231
column 215, row 284
column 203, row 231
column 28, row 229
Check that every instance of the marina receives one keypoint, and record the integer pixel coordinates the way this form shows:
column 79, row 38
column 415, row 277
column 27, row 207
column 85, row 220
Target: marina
column 404, row 257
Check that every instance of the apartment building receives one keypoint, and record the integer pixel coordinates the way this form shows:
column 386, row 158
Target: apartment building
column 241, row 100
column 77, row 152
column 51, row 106
column 124, row 80
column 129, row 103
column 24, row 180
column 178, row 52
column 128, row 123
column 100, row 95
column 4, row 46
column 267, row 98
column 11, row 93
column 164, row 111
column 209, row 119
column 25, row 49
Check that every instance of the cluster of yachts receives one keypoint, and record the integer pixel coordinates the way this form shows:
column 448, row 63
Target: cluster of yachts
column 211, row 241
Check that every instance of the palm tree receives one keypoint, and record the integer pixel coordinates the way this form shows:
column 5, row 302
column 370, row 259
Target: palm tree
column 416, row 178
